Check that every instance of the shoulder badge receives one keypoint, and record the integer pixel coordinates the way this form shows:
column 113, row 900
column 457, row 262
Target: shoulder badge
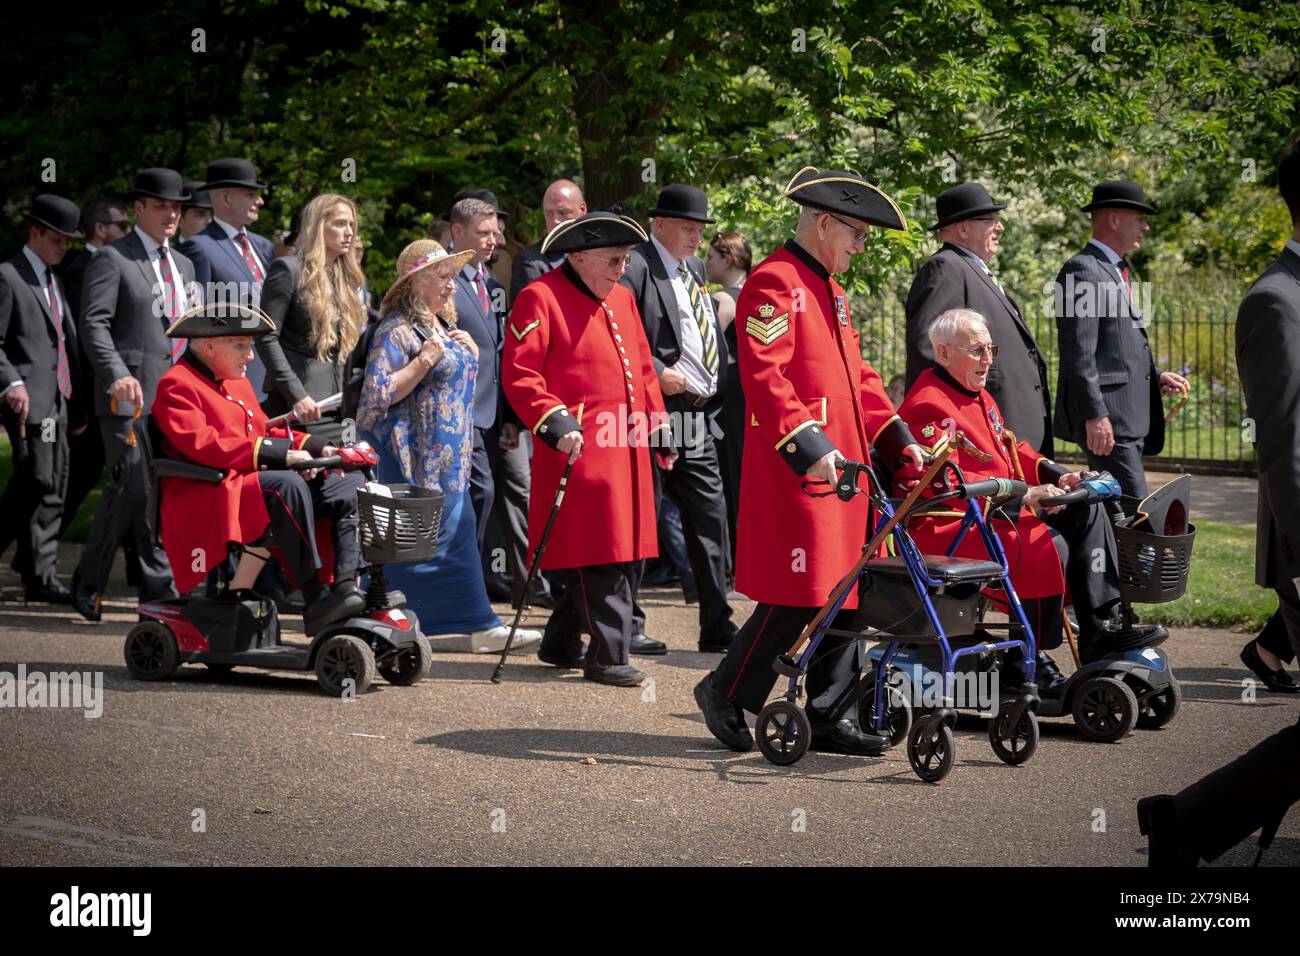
column 766, row 326
column 520, row 333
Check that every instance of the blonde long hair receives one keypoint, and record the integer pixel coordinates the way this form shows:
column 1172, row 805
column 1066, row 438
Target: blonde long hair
column 330, row 290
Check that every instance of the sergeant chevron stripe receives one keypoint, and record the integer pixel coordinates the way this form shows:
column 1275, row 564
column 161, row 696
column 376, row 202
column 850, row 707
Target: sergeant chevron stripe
column 765, row 328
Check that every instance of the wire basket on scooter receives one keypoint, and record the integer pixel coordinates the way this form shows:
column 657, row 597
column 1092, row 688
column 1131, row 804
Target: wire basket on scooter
column 401, row 526
column 1153, row 568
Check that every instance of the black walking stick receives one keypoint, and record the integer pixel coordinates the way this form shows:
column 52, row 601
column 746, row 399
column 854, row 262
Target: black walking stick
column 535, row 563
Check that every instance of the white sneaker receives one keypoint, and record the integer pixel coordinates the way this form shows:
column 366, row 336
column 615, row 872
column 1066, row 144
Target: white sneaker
column 494, row 639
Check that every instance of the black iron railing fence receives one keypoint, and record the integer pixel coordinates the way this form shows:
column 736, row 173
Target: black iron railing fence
column 1209, row 435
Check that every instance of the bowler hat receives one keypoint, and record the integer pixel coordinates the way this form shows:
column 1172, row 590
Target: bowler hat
column 1118, row 194
column 595, row 230
column 220, row 318
column 199, row 198
column 55, row 212
column 486, row 195
column 158, row 183
column 679, row 201
column 963, row 202
column 232, row 171
column 845, row 193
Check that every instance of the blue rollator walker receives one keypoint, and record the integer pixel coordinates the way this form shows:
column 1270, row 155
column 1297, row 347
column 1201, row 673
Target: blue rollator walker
column 914, row 598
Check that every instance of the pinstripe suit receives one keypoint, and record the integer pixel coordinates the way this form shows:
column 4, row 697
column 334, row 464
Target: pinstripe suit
column 1106, row 367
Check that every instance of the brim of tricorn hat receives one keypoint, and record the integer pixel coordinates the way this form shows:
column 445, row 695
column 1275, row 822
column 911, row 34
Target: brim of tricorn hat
column 884, row 212
column 245, row 320
column 558, row 235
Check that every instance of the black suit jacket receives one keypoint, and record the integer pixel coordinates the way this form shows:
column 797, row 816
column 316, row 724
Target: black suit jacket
column 528, row 265
column 1268, row 358
column 120, row 333
column 652, row 288
column 1106, row 366
column 951, row 279
column 29, row 349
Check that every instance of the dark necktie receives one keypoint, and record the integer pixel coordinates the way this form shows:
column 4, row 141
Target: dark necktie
column 250, row 260
column 702, row 320
column 480, row 286
column 56, row 319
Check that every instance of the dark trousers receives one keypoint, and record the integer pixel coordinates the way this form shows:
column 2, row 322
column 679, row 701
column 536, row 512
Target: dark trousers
column 1125, row 463
column 482, row 486
column 295, row 504
column 121, row 517
column 1281, row 635
column 598, row 600
column 1253, row 792
column 85, row 465
column 746, row 677
column 508, row 530
column 1085, row 539
column 695, row 485
column 31, row 508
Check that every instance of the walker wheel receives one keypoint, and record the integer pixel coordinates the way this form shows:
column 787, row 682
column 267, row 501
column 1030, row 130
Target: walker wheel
column 1015, row 747
column 931, row 750
column 1161, row 708
column 1105, row 709
column 898, row 709
column 784, row 732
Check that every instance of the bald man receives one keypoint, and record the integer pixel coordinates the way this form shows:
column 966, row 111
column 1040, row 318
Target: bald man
column 562, row 201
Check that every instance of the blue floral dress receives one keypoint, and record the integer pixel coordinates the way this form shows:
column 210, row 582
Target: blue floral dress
column 426, row 439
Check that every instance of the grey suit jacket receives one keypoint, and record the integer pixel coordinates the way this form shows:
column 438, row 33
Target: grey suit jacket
column 528, row 265
column 951, row 279
column 29, row 347
column 1106, row 366
column 293, row 371
column 486, row 329
column 1268, row 358
column 121, row 334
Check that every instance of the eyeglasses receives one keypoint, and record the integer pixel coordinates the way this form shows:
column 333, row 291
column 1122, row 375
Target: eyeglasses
column 612, row 262
column 981, row 353
column 996, row 220
column 123, row 224
column 859, row 235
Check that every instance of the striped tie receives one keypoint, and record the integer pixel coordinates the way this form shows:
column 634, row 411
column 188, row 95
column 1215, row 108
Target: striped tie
column 480, row 286
column 250, row 260
column 170, row 300
column 703, row 321
column 62, row 374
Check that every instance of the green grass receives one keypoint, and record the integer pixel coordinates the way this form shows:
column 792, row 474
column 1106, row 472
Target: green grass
column 79, row 530
column 1221, row 591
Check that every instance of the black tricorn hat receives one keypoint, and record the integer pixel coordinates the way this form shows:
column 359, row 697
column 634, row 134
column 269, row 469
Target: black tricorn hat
column 595, row 230
column 232, row 171
column 1119, row 194
column 158, row 183
column 55, row 212
column 963, row 202
column 220, row 319
column 486, row 195
column 679, row 201
column 846, row 194
column 199, row 198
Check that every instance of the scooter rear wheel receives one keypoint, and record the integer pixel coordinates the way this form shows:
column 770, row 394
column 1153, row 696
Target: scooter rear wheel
column 1105, row 709
column 151, row 652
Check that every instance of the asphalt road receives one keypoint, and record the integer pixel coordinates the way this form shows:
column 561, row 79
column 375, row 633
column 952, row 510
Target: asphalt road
column 550, row 769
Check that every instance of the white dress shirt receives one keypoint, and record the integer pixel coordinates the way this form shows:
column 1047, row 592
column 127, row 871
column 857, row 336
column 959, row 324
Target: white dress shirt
column 691, row 364
column 231, row 232
column 178, row 281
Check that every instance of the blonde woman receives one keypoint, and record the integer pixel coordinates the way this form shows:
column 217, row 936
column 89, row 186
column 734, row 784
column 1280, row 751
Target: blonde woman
column 313, row 298
column 417, row 411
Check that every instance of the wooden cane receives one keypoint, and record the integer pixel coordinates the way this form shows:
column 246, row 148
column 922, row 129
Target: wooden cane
column 941, row 453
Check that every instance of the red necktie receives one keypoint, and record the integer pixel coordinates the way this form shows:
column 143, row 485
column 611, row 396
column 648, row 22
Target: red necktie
column 56, row 319
column 170, row 301
column 1124, row 272
column 480, row 284
column 250, row 260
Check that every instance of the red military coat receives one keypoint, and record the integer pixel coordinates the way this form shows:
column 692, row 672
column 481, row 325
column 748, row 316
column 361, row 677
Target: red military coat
column 937, row 405
column 573, row 361
column 807, row 390
column 220, row 425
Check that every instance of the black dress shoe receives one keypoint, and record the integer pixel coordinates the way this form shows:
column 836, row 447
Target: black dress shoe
column 647, row 647
column 1278, row 681
column 48, row 592
column 286, row 603
column 724, row 719
column 616, row 675
column 719, row 642
column 330, row 607
column 690, row 593
column 1158, row 822
column 1047, row 677
column 84, row 600
column 1114, row 638
column 843, row 737
column 547, row 656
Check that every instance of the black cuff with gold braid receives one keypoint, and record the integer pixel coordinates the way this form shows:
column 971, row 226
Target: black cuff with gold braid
column 893, row 438
column 804, row 447
column 1049, row 472
column 272, row 453
column 315, row 445
column 555, row 424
